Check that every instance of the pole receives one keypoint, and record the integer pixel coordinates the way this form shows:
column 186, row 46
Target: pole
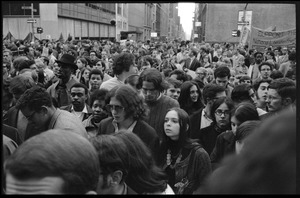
column 32, row 23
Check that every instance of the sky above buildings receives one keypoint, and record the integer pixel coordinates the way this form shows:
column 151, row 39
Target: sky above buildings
column 186, row 13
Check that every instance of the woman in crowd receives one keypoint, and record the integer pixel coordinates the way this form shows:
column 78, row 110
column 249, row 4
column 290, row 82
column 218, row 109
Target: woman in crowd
column 190, row 98
column 243, row 131
column 144, row 176
column 95, row 80
column 85, row 77
column 186, row 163
column 226, row 141
column 128, row 112
column 97, row 103
column 81, row 64
column 220, row 115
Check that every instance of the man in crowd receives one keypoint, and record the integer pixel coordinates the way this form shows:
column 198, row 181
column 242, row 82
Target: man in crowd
column 79, row 97
column 286, row 66
column 253, row 71
column 123, row 66
column 36, row 105
column 202, row 118
column 60, row 89
column 158, row 103
column 53, row 162
column 281, row 95
column 222, row 76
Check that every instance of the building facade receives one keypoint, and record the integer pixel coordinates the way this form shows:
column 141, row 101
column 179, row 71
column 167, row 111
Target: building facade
column 78, row 20
column 218, row 20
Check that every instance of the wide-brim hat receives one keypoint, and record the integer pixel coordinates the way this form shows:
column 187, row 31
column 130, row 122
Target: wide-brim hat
column 69, row 60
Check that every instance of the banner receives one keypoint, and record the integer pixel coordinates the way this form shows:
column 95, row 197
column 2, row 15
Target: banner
column 244, row 36
column 263, row 38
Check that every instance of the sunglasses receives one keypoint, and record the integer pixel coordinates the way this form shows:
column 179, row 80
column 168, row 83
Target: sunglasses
column 117, row 108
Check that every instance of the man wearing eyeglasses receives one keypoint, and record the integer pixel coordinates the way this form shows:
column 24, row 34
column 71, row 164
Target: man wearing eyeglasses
column 79, row 96
column 202, row 118
column 36, row 105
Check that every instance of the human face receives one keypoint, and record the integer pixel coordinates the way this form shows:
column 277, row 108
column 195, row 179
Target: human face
column 262, row 92
column 64, row 72
column 241, row 61
column 31, row 51
column 45, row 185
column 117, row 110
column 37, row 118
column 98, row 109
column 78, row 98
column 99, row 66
column 265, row 71
column 95, row 81
column 6, row 56
column 86, row 74
column 274, row 101
column 173, row 92
column 93, row 55
column 222, row 119
column 258, row 58
column 149, row 91
column 252, row 95
column 171, row 125
column 234, row 124
column 79, row 64
column 222, row 81
column 104, row 184
column 200, row 73
column 194, row 93
column 210, row 76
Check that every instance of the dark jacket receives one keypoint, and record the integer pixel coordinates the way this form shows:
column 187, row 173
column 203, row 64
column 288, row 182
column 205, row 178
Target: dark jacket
column 85, row 116
column 12, row 133
column 195, row 120
column 12, row 120
column 207, row 137
column 225, row 145
column 195, row 64
column 143, row 130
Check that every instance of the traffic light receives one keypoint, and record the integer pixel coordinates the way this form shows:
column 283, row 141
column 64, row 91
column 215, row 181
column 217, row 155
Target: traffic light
column 236, row 33
column 39, row 30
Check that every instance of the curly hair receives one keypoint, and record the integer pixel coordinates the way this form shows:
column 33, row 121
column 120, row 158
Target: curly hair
column 34, row 98
column 133, row 104
column 122, row 62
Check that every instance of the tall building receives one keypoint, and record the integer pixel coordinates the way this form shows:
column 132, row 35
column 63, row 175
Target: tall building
column 219, row 19
column 78, row 20
column 121, row 19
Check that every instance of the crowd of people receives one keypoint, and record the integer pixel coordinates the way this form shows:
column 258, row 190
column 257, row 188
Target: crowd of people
column 174, row 117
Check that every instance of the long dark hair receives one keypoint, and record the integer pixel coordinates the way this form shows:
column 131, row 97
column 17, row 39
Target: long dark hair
column 185, row 100
column 184, row 122
column 144, row 176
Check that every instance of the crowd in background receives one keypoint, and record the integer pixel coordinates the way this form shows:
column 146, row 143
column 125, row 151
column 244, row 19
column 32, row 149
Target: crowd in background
column 151, row 117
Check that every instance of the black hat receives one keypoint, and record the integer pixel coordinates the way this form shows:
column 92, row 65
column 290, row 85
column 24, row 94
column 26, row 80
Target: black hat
column 69, row 60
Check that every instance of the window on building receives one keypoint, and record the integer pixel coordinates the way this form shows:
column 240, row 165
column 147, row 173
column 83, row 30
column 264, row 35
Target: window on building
column 15, row 8
column 119, row 11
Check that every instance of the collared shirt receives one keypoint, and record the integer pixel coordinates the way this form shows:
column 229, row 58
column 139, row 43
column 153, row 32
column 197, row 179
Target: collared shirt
column 80, row 115
column 128, row 130
column 205, row 120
